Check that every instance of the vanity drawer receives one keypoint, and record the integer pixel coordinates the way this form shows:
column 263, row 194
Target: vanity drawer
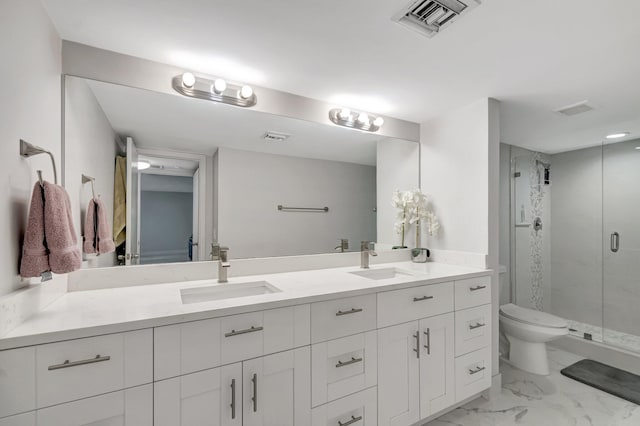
column 410, row 304
column 343, row 366
column 75, row 369
column 198, row 345
column 473, row 292
column 359, row 409
column 473, row 329
column 343, row 317
column 129, row 407
column 473, row 373
column 17, row 381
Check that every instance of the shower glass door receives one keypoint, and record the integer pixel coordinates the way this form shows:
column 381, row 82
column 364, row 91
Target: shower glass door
column 621, row 244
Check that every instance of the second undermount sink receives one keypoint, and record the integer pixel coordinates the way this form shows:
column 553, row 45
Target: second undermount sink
column 382, row 273
column 226, row 291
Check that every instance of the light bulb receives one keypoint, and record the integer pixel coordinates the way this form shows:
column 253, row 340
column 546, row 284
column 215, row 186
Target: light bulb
column 345, row 114
column 142, row 165
column 246, row 92
column 188, row 79
column 219, row 86
column 363, row 118
column 378, row 122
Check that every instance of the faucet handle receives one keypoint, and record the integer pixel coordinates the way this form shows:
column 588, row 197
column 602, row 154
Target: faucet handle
column 366, row 245
column 224, row 254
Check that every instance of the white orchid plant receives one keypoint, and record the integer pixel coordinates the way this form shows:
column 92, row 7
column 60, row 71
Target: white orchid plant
column 413, row 208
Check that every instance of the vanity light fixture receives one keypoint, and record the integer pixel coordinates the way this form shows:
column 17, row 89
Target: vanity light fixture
column 617, row 135
column 217, row 90
column 356, row 120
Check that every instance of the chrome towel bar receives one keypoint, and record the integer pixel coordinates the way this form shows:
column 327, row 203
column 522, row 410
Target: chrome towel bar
column 303, row 209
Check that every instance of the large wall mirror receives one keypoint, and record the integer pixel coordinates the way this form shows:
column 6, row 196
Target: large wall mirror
column 177, row 175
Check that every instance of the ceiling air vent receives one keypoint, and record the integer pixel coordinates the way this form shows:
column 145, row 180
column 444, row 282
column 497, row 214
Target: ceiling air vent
column 276, row 136
column 429, row 17
column 575, row 109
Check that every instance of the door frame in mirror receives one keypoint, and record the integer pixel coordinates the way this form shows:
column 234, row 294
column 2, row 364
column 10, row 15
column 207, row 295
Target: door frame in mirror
column 202, row 183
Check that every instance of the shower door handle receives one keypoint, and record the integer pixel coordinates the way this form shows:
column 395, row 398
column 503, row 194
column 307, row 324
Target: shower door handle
column 615, row 242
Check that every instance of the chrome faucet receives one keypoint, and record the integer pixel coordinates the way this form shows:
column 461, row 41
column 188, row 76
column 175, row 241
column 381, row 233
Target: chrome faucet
column 344, row 245
column 223, row 265
column 365, row 252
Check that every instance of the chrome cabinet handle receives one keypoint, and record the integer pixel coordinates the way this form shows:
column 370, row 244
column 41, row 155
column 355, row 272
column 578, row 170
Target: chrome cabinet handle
column 233, row 398
column 254, row 398
column 353, row 420
column 353, row 360
column 351, row 311
column 478, row 325
column 68, row 363
column 478, row 287
column 428, row 345
column 615, row 242
column 477, row 370
column 417, row 349
column 420, row 299
column 245, row 331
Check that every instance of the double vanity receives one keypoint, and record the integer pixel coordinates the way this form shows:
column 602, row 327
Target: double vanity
column 396, row 344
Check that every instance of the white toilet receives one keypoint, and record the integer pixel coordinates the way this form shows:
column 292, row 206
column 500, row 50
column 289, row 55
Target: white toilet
column 528, row 332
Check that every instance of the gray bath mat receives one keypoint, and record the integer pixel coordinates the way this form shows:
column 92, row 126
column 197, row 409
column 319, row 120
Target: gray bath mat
column 609, row 379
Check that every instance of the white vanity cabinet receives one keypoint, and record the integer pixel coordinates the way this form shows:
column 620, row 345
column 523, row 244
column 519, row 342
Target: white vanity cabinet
column 272, row 390
column 416, row 370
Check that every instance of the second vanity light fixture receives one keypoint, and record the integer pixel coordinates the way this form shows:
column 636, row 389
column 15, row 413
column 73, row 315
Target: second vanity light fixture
column 356, row 120
column 217, row 90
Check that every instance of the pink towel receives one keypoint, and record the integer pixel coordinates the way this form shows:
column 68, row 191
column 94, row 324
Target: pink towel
column 97, row 234
column 35, row 256
column 62, row 242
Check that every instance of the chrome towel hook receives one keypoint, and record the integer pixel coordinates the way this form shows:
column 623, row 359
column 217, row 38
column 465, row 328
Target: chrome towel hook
column 28, row 150
column 87, row 179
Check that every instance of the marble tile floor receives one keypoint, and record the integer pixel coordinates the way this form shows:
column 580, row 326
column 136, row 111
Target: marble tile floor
column 554, row 400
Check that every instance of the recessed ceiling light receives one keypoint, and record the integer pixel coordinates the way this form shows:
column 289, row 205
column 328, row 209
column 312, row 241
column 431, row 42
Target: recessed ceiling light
column 638, row 147
column 617, row 135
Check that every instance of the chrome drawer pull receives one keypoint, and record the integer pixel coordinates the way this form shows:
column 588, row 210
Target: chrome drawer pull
column 351, row 361
column 477, row 370
column 478, row 325
column 351, row 311
column 478, row 287
column 353, row 420
column 68, row 363
column 245, row 331
column 254, row 399
column 417, row 349
column 233, row 398
column 428, row 345
column 420, row 299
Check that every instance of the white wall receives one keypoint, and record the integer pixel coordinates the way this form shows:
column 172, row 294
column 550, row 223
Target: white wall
column 505, row 221
column 90, row 148
column 397, row 168
column 251, row 185
column 29, row 109
column 455, row 171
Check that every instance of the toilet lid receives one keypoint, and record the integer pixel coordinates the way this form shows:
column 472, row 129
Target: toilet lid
column 531, row 316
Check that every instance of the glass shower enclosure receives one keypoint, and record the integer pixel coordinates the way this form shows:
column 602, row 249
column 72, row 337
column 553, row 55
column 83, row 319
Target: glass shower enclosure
column 575, row 238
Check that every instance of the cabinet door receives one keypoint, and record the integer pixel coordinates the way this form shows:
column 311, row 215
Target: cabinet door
column 207, row 398
column 277, row 389
column 130, row 407
column 437, row 370
column 398, row 375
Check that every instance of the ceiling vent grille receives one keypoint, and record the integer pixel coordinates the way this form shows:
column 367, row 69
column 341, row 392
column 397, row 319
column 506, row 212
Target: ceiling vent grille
column 575, row 109
column 429, row 17
column 276, row 136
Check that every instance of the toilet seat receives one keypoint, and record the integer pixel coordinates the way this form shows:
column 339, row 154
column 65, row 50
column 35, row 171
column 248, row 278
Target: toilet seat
column 531, row 316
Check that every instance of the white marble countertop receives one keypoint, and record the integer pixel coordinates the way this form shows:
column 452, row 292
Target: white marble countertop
column 89, row 313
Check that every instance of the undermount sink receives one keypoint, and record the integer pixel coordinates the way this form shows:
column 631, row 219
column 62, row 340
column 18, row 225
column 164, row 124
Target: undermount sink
column 382, row 273
column 226, row 291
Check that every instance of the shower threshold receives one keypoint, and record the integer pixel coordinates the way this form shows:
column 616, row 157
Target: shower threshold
column 619, row 339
